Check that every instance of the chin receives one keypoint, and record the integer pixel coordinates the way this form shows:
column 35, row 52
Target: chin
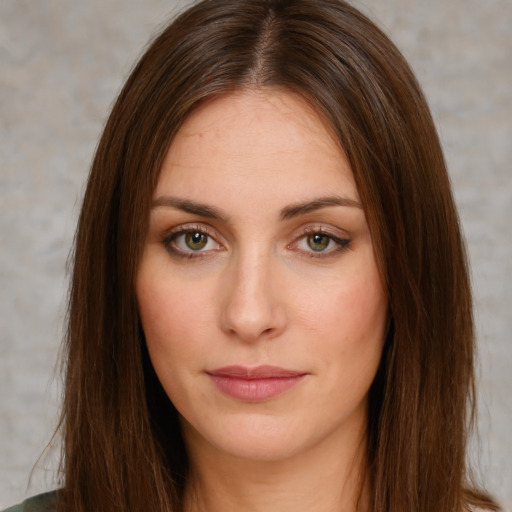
column 256, row 437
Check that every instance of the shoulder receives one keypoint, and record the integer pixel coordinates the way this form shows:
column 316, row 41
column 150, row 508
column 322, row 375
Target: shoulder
column 41, row 503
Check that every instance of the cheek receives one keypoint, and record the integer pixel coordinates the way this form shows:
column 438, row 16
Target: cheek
column 346, row 309
column 173, row 317
column 172, row 314
column 348, row 323
column 354, row 339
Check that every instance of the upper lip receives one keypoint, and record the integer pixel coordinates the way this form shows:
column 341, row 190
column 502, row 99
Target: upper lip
column 253, row 373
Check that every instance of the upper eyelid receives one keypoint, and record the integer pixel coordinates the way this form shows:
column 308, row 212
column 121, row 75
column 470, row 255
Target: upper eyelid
column 305, row 230
column 333, row 232
column 187, row 228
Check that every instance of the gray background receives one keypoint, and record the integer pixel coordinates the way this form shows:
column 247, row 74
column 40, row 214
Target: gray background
column 62, row 63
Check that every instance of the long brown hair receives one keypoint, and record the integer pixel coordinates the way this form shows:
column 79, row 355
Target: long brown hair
column 122, row 446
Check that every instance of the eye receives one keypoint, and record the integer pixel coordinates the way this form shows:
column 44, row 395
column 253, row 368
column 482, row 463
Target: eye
column 318, row 243
column 190, row 242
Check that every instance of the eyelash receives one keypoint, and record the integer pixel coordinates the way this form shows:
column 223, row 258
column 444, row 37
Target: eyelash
column 173, row 235
column 169, row 242
column 342, row 244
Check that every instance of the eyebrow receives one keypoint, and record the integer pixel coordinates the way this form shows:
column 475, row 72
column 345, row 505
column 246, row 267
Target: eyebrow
column 288, row 212
column 295, row 210
column 203, row 210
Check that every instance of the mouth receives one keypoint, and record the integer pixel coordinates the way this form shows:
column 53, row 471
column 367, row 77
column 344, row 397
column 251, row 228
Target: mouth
column 254, row 384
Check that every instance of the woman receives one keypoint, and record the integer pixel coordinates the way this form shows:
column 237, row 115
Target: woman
column 270, row 305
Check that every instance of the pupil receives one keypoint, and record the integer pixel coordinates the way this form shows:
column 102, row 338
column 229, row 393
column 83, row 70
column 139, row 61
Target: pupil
column 318, row 242
column 196, row 240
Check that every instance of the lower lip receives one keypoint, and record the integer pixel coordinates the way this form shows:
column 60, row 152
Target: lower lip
column 254, row 390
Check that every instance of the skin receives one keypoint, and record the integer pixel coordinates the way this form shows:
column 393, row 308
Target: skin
column 262, row 291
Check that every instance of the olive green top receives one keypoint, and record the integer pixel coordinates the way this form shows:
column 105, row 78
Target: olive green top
column 40, row 503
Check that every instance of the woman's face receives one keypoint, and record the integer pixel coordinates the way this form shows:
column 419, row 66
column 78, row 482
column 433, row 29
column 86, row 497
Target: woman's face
column 259, row 294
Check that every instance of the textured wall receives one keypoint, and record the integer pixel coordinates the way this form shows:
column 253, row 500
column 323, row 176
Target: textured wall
column 62, row 63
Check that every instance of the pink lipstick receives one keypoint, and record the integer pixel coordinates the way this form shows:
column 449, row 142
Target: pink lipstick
column 254, row 384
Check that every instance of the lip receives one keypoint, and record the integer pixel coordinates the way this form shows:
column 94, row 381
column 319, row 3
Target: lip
column 254, row 384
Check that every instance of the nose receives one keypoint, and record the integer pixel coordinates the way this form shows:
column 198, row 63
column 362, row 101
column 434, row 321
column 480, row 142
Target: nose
column 253, row 306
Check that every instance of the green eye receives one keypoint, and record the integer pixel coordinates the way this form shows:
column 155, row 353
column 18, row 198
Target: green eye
column 318, row 242
column 196, row 240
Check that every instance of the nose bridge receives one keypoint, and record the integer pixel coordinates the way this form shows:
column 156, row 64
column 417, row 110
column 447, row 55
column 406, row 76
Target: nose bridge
column 252, row 308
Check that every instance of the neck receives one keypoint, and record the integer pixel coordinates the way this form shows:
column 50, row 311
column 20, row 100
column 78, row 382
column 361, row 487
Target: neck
column 327, row 478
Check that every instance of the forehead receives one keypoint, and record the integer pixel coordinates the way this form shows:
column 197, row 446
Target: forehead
column 252, row 142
